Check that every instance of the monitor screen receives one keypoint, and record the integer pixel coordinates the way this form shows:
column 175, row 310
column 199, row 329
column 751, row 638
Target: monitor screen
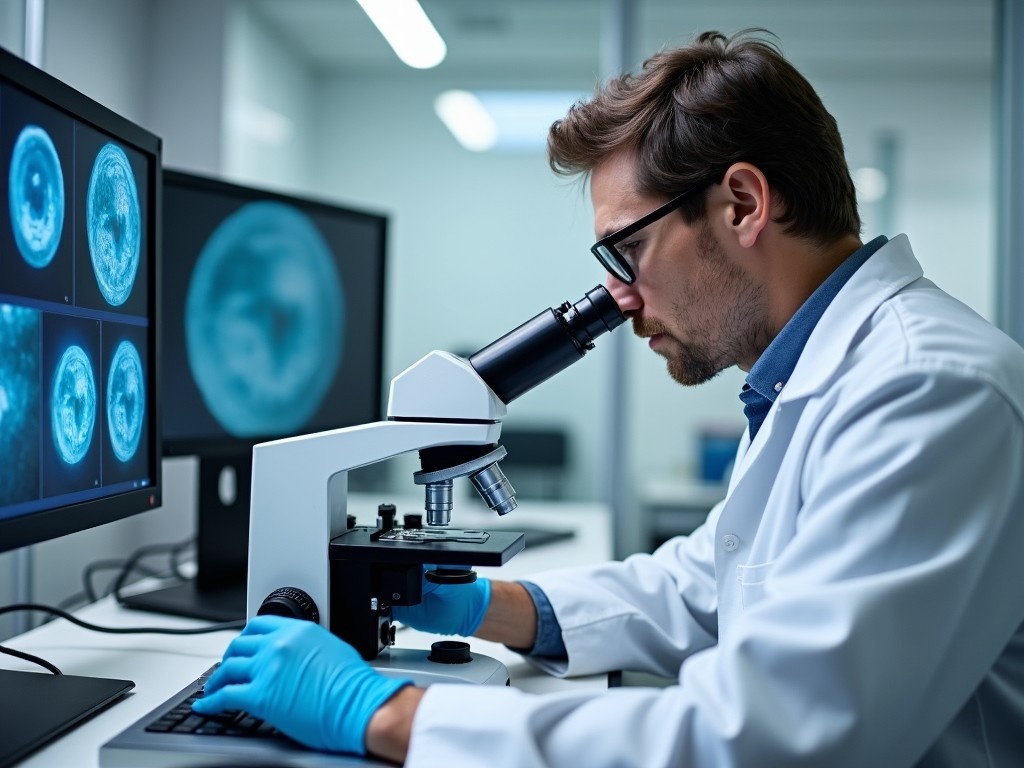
column 273, row 309
column 273, row 326
column 79, row 264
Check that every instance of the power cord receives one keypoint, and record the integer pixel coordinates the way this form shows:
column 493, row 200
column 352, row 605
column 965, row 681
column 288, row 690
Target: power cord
column 126, row 567
column 132, row 563
column 227, row 625
column 53, row 610
column 29, row 657
column 89, row 593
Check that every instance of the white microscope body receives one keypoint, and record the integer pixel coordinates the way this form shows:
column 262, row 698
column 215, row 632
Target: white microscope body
column 304, row 558
column 300, row 484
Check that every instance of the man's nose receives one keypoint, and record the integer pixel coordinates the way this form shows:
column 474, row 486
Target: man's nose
column 626, row 296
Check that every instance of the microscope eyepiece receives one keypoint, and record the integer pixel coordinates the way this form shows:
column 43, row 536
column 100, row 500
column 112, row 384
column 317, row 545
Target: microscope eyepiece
column 511, row 366
column 545, row 345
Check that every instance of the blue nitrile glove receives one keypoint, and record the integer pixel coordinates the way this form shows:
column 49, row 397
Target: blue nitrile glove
column 447, row 609
column 301, row 679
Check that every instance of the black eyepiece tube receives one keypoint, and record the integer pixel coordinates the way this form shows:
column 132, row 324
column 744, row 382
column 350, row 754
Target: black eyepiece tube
column 545, row 345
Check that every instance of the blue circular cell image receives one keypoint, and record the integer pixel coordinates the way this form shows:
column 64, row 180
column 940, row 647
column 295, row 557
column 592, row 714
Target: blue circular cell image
column 19, row 403
column 73, row 405
column 264, row 320
column 126, row 400
column 35, row 188
column 113, row 222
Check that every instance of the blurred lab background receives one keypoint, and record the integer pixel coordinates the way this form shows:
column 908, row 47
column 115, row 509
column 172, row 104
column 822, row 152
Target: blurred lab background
column 306, row 97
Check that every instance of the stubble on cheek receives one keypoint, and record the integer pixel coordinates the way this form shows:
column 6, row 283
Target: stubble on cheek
column 720, row 325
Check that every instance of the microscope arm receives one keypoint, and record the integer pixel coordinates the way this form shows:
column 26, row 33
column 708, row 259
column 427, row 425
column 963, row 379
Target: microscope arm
column 299, row 498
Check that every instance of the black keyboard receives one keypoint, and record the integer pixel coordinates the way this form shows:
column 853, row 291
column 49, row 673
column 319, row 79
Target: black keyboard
column 181, row 719
column 173, row 736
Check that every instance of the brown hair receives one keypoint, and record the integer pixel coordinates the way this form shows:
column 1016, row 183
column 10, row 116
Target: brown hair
column 692, row 112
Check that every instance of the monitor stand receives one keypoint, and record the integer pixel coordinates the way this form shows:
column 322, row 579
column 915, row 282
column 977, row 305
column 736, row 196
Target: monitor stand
column 222, row 547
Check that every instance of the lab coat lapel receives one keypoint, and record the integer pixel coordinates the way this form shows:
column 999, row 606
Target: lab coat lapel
column 889, row 270
column 760, row 464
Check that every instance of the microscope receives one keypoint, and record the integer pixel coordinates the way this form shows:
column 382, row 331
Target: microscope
column 306, row 558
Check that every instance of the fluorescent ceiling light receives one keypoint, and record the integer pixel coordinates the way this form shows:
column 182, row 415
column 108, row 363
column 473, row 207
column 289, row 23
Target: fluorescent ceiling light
column 518, row 120
column 405, row 26
column 467, row 119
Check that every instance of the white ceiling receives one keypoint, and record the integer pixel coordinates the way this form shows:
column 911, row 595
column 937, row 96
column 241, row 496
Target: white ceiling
column 539, row 39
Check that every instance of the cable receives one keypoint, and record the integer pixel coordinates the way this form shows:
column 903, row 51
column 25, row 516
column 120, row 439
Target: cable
column 109, row 565
column 140, row 553
column 176, row 552
column 89, row 593
column 29, row 657
column 120, row 630
column 126, row 566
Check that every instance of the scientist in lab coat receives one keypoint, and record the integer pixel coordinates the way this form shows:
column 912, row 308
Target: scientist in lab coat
column 857, row 599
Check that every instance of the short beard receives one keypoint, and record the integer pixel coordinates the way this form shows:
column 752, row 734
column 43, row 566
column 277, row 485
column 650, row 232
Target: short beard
column 692, row 365
column 741, row 330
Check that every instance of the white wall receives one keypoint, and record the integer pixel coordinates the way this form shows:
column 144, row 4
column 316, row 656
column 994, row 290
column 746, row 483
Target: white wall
column 945, row 177
column 186, row 90
column 102, row 48
column 12, row 25
column 267, row 108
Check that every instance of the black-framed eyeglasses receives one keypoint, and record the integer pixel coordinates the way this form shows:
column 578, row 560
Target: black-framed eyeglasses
column 621, row 265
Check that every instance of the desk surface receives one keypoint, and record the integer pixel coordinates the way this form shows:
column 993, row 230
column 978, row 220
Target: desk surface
column 161, row 665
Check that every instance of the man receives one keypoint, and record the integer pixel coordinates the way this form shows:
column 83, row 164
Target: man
column 856, row 599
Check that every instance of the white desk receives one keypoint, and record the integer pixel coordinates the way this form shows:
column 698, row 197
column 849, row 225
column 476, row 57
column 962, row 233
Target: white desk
column 161, row 665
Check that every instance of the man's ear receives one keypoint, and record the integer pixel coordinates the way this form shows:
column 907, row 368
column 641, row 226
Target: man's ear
column 748, row 202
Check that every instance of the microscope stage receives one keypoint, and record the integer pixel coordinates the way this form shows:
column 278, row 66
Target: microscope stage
column 448, row 547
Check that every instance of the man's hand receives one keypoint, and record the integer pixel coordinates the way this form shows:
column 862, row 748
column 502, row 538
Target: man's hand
column 301, row 679
column 447, row 609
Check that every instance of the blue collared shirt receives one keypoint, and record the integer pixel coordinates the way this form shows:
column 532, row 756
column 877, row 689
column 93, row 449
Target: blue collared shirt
column 766, row 379
column 773, row 368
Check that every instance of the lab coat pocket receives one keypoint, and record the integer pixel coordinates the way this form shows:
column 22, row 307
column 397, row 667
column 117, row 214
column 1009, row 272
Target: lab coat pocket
column 752, row 580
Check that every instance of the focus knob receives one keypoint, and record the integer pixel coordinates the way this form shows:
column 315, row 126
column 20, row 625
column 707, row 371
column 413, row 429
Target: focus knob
column 446, row 575
column 450, row 652
column 290, row 602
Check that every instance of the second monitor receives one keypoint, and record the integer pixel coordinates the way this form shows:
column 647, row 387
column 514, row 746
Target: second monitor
column 273, row 326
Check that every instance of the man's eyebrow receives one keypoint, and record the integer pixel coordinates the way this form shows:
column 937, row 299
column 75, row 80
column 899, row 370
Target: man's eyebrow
column 611, row 230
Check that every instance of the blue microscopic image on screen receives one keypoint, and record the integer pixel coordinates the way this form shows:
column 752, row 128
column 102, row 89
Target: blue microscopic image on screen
column 73, row 405
column 35, row 188
column 19, row 404
column 264, row 320
column 126, row 400
column 113, row 223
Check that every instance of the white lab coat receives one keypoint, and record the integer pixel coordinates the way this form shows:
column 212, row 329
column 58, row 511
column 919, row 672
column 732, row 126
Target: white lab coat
column 856, row 600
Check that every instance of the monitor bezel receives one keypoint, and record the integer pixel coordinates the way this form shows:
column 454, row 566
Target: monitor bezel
column 36, row 527
column 226, row 445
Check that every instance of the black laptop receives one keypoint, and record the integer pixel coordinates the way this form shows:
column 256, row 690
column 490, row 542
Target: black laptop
column 37, row 707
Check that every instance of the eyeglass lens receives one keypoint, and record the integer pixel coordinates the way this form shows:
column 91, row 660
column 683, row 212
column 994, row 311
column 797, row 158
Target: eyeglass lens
column 619, row 265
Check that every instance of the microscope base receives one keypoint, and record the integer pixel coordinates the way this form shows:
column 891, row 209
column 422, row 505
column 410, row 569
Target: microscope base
column 413, row 664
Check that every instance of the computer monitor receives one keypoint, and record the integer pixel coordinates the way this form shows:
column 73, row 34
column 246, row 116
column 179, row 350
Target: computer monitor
column 79, row 385
column 273, row 326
